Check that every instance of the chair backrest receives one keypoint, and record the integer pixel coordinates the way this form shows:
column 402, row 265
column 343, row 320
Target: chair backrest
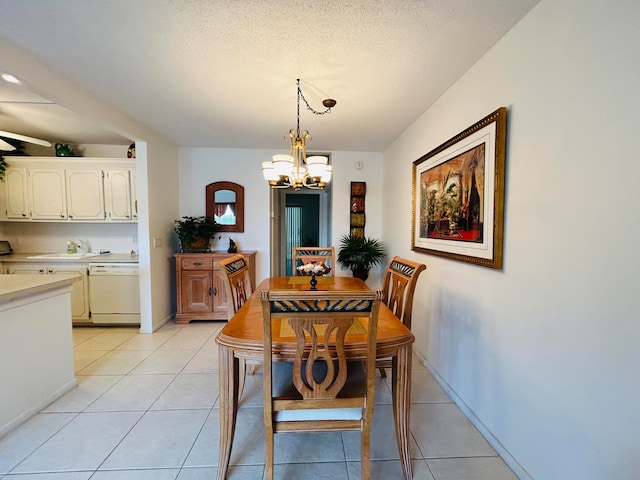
column 304, row 255
column 318, row 323
column 237, row 282
column 399, row 286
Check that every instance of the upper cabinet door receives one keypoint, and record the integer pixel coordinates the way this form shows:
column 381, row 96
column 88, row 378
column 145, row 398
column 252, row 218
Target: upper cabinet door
column 17, row 199
column 85, row 195
column 118, row 195
column 134, row 195
column 48, row 199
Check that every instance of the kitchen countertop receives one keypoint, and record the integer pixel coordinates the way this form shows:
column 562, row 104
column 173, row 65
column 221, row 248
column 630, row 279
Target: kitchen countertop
column 15, row 286
column 107, row 258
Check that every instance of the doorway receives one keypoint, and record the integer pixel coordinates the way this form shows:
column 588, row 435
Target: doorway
column 301, row 218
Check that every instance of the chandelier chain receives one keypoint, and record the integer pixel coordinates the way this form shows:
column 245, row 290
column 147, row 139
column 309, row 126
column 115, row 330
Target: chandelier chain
column 309, row 107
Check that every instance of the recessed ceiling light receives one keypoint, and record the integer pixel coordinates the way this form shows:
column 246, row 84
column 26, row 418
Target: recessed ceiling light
column 9, row 78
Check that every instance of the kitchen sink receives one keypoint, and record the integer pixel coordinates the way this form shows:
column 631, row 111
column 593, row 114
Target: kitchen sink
column 64, row 256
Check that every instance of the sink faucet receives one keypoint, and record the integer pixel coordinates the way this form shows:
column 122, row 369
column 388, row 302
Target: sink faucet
column 83, row 245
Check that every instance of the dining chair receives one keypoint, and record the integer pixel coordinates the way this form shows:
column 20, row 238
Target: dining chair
column 237, row 284
column 320, row 390
column 326, row 255
column 397, row 293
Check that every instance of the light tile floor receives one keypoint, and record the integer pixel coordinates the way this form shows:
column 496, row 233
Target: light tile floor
column 146, row 408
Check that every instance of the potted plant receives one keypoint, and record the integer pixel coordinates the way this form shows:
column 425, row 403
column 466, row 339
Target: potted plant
column 195, row 233
column 359, row 254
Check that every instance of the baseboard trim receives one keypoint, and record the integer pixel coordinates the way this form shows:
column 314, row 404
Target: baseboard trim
column 509, row 459
column 37, row 408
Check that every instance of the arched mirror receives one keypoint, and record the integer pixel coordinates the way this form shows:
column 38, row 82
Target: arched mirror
column 225, row 205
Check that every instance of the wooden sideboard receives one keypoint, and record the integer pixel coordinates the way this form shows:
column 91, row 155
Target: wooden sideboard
column 200, row 292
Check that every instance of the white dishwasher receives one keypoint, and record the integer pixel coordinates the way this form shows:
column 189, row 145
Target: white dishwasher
column 114, row 293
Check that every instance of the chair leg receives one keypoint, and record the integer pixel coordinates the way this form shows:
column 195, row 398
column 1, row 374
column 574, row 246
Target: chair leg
column 383, row 372
column 365, row 454
column 268, row 455
column 242, row 366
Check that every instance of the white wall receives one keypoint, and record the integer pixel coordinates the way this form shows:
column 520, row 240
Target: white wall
column 201, row 166
column 345, row 172
column 81, row 150
column 41, row 237
column 543, row 355
column 157, row 186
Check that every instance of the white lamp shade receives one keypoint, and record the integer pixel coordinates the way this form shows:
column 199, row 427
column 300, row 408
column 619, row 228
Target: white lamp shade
column 283, row 164
column 316, row 165
column 269, row 172
column 326, row 176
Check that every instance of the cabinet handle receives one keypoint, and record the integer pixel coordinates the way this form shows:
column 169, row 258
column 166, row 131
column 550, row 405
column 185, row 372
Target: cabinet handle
column 50, row 270
column 215, row 292
column 197, row 264
column 210, row 292
column 41, row 270
column 61, row 215
column 24, row 214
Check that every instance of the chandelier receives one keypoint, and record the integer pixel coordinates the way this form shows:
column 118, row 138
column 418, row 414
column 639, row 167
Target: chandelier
column 296, row 170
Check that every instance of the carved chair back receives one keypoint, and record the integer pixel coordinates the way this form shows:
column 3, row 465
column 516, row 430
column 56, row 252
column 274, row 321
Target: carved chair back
column 321, row 389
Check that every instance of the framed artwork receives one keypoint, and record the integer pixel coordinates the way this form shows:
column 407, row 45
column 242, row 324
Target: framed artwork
column 357, row 215
column 458, row 195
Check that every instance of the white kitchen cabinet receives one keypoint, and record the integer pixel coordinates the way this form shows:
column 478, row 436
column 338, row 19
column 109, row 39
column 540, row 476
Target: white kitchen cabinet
column 79, row 292
column 17, row 198
column 118, row 195
column 47, row 193
column 85, row 194
column 74, row 190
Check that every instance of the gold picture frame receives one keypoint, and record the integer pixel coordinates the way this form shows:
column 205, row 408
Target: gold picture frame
column 458, row 195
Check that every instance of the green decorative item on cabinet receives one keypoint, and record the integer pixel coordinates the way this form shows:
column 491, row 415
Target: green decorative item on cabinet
column 64, row 150
column 195, row 233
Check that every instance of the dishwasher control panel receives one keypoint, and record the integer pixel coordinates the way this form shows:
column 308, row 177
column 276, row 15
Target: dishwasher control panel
column 113, row 269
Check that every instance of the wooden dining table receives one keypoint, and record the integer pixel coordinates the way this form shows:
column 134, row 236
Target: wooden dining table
column 242, row 338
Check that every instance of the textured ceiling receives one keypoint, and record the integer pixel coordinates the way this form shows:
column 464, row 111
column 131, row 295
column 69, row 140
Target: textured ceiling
column 223, row 72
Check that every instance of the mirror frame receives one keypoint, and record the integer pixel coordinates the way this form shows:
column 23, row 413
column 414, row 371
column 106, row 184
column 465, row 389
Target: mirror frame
column 210, row 192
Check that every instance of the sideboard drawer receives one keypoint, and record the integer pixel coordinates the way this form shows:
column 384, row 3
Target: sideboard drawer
column 196, row 263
